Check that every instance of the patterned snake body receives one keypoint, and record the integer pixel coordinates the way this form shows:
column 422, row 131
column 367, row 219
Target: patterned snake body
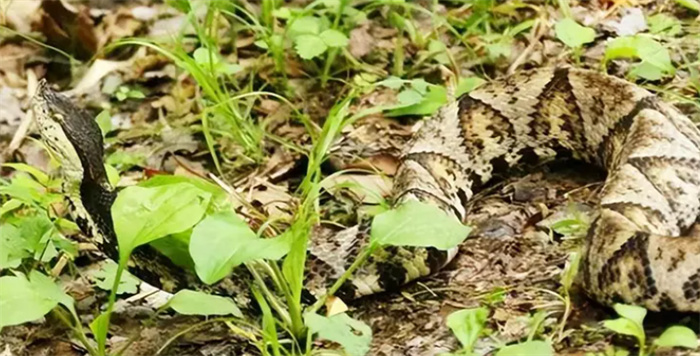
column 642, row 248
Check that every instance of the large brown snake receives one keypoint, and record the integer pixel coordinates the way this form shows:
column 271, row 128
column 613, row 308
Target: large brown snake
column 642, row 248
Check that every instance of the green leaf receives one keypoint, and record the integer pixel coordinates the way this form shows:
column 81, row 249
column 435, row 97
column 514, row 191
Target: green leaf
column 418, row 224
column 223, row 241
column 625, row 327
column 432, row 101
column 124, row 160
column 573, row 34
column 142, row 215
column 644, row 48
column 203, row 57
column 663, row 24
column 528, row 348
column 282, row 13
column 212, row 61
column 392, row 82
column 9, row 206
column 647, row 71
column 354, row 335
column 13, row 248
column 690, row 4
column 309, row 46
column 104, row 121
column 176, row 248
column 468, row 84
column 334, row 38
column 45, row 286
column 40, row 176
column 439, row 52
column 307, row 25
column 112, row 175
column 678, row 336
column 36, row 230
column 631, row 312
column 190, row 302
column 104, row 278
column 22, row 301
column 467, row 325
column 100, row 327
column 409, row 97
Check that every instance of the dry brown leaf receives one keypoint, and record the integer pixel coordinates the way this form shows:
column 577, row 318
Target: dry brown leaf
column 69, row 28
column 361, row 42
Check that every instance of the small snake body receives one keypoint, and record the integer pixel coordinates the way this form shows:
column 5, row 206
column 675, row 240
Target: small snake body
column 642, row 248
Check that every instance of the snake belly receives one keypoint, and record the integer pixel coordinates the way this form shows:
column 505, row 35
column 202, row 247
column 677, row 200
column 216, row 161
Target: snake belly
column 642, row 248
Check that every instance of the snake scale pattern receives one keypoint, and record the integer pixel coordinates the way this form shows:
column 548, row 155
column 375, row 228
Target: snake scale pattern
column 642, row 248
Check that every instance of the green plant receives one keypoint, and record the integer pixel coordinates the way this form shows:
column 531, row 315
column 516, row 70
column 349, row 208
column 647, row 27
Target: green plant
column 124, row 92
column 573, row 35
column 631, row 322
column 467, row 326
column 655, row 58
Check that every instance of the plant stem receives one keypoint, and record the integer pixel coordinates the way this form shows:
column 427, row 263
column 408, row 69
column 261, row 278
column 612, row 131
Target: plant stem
column 77, row 330
column 102, row 340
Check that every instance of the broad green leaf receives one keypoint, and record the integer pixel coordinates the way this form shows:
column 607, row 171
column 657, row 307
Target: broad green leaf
column 631, row 312
column 467, row 325
column 644, row 48
column 21, row 301
column 142, row 215
column 626, row 327
column 24, row 188
column 678, row 336
column 573, row 34
column 190, row 302
column 528, row 348
column 165, row 179
column 104, row 121
column 223, row 241
column 36, row 230
column 664, row 24
column 431, row 102
column 176, row 247
column 215, row 243
column 354, row 335
column 125, row 160
column 309, row 46
column 418, row 224
column 203, row 57
column 307, row 25
column 45, row 286
column 112, row 175
column 13, row 248
column 647, row 71
column 468, row 84
column 334, row 38
column 409, row 97
column 282, row 13
column 40, row 176
column 392, row 82
column 104, row 279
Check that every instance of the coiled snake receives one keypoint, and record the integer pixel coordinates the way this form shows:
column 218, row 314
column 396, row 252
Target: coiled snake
column 642, row 248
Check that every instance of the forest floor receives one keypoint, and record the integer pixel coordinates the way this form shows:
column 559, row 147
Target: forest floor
column 525, row 228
